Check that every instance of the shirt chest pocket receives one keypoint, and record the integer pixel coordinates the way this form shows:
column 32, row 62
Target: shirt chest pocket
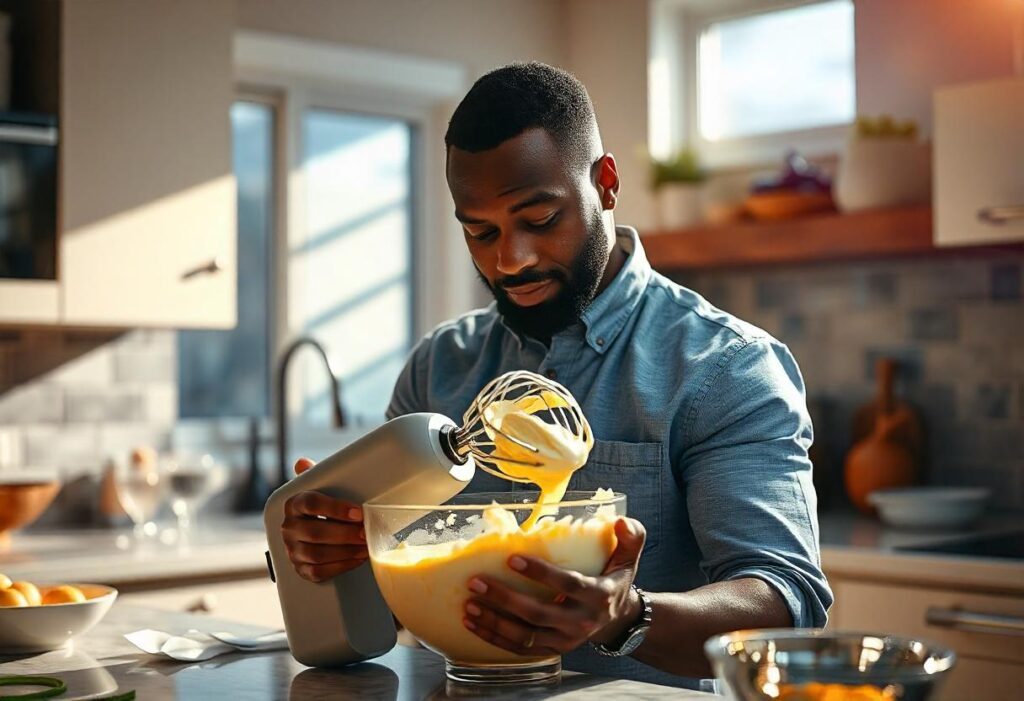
column 634, row 469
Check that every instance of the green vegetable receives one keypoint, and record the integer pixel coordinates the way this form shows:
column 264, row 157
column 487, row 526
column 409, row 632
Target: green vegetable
column 681, row 168
column 885, row 126
column 56, row 687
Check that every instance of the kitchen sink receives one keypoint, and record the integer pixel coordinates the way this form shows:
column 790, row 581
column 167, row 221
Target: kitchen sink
column 1002, row 546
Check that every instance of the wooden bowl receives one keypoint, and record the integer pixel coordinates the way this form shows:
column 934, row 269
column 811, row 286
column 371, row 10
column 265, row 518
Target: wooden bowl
column 21, row 503
column 787, row 204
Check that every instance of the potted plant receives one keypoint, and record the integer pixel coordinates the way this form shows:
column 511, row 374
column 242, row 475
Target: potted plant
column 884, row 165
column 676, row 183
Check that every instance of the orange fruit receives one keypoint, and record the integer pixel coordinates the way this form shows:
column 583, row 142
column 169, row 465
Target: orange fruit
column 11, row 598
column 29, row 591
column 63, row 594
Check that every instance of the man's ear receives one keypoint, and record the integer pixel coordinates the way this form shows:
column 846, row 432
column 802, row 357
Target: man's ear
column 607, row 181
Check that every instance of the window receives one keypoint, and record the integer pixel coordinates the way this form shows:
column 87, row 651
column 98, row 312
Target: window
column 227, row 373
column 348, row 264
column 741, row 81
column 354, row 263
column 779, row 71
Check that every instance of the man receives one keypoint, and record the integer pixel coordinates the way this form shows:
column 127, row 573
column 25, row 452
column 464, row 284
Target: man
column 699, row 418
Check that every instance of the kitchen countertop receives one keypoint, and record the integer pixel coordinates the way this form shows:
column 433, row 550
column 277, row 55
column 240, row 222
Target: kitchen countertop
column 224, row 547
column 102, row 661
column 856, row 546
column 233, row 547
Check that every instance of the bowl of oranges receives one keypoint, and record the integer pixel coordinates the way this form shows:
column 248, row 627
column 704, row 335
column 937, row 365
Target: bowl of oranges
column 38, row 617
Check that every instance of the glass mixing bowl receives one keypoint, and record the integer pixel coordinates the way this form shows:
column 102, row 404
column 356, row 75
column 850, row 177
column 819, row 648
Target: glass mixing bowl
column 811, row 665
column 424, row 556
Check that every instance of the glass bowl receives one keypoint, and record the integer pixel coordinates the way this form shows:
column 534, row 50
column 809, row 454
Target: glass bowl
column 424, row 556
column 813, row 665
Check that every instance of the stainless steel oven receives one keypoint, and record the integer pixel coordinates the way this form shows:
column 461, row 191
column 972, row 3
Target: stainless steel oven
column 28, row 196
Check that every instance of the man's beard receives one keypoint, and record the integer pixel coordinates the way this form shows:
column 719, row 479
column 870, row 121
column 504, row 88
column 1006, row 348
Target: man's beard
column 578, row 289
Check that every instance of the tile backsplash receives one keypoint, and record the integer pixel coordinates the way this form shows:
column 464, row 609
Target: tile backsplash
column 105, row 394
column 956, row 327
column 108, row 399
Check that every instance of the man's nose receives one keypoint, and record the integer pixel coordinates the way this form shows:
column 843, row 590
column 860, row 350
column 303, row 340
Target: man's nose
column 516, row 252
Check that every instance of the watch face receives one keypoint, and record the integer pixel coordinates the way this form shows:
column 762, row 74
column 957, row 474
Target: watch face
column 633, row 641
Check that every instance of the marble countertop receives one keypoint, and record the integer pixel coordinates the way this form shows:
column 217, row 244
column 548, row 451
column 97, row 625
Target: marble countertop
column 223, row 547
column 101, row 662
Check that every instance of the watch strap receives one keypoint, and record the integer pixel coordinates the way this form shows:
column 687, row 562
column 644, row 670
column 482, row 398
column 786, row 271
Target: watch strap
column 633, row 637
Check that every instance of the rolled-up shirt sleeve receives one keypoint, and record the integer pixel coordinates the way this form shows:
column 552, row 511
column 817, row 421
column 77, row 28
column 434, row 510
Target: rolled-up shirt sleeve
column 747, row 476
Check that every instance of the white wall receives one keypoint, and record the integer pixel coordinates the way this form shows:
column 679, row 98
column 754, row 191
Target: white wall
column 482, row 34
column 608, row 42
column 907, row 48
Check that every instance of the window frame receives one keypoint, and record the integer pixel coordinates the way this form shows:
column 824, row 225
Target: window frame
column 303, row 75
column 677, row 26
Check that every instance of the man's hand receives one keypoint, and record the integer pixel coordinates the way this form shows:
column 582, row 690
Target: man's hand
column 324, row 536
column 598, row 608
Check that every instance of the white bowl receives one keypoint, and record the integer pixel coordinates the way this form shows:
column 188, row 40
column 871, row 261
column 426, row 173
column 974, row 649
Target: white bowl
column 40, row 628
column 930, row 507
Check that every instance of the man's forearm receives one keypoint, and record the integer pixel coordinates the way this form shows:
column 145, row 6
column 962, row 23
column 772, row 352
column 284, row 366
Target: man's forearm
column 682, row 622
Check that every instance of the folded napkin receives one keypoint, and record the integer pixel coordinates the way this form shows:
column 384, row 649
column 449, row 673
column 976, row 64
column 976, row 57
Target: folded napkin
column 196, row 646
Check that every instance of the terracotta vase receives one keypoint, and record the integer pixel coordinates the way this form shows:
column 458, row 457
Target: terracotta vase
column 883, row 459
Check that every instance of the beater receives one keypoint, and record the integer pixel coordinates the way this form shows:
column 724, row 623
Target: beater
column 416, row 459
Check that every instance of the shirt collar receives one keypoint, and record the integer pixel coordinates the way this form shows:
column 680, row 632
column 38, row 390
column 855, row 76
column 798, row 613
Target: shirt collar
column 607, row 314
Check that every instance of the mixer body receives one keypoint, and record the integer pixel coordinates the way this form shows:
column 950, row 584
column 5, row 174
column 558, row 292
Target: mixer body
column 345, row 620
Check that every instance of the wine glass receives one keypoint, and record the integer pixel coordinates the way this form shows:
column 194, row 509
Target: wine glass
column 193, row 480
column 139, row 485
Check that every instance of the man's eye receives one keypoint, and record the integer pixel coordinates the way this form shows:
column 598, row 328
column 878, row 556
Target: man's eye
column 485, row 235
column 545, row 223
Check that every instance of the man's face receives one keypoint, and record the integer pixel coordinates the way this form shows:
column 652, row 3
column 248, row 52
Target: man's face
column 533, row 226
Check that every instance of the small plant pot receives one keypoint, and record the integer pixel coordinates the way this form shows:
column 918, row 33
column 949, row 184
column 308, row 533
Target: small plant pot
column 679, row 205
column 883, row 172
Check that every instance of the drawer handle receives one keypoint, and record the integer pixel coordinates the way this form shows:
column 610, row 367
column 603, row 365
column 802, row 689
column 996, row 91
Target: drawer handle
column 209, row 267
column 1001, row 215
column 974, row 622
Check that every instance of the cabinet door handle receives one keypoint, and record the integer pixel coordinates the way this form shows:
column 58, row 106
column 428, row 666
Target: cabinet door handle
column 1001, row 215
column 24, row 134
column 209, row 267
column 975, row 622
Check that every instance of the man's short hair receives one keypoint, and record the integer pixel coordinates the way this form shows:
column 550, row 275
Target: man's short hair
column 509, row 100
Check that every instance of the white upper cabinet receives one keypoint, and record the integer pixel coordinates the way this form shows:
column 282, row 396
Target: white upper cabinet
column 979, row 163
column 147, row 194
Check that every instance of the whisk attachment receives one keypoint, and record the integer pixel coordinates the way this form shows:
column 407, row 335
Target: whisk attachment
column 517, row 391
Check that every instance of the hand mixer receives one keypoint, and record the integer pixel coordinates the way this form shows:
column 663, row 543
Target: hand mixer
column 421, row 458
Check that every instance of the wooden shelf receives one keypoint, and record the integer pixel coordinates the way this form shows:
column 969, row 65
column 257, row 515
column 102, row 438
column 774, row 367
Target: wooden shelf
column 880, row 233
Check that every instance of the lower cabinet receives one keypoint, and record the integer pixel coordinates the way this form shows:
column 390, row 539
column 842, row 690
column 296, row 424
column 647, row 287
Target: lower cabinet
column 252, row 601
column 984, row 629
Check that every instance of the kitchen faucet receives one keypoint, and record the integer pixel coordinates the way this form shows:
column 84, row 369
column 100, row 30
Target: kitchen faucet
column 282, row 398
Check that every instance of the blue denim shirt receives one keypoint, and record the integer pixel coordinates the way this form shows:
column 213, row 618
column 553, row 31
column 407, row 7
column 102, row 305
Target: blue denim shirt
column 698, row 417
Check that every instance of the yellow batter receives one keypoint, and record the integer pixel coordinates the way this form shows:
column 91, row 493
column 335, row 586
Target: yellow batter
column 559, row 452
column 426, row 585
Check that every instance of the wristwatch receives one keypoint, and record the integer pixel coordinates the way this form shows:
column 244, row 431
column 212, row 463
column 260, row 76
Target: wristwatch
column 634, row 637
